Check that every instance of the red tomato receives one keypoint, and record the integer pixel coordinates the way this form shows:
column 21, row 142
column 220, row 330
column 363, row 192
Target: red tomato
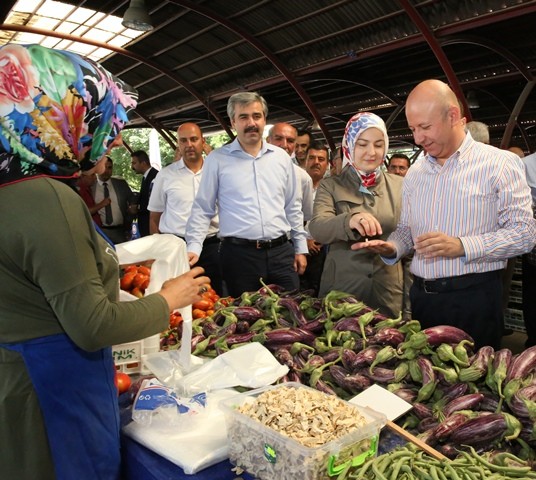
column 126, row 280
column 139, row 279
column 198, row 313
column 145, row 270
column 203, row 304
column 122, row 382
column 174, row 320
column 131, row 268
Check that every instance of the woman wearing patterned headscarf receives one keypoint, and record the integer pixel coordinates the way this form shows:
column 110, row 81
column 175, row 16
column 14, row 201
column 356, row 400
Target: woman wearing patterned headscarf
column 362, row 202
column 59, row 291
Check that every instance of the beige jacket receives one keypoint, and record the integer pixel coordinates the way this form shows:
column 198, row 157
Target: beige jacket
column 359, row 273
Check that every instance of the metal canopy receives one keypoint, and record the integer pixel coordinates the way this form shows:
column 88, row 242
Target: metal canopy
column 320, row 61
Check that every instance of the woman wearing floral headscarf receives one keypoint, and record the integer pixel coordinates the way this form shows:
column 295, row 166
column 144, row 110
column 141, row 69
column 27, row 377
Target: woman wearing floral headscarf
column 59, row 312
column 362, row 202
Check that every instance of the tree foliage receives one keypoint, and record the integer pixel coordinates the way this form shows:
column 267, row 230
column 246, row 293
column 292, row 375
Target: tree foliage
column 138, row 139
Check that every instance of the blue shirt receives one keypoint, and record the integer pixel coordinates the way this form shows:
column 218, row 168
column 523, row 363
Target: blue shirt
column 257, row 197
column 530, row 169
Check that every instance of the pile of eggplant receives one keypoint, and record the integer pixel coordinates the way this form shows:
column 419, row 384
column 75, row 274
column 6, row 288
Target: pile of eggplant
column 462, row 398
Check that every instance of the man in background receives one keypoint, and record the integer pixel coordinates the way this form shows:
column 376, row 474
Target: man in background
column 479, row 131
column 116, row 217
column 142, row 165
column 172, row 197
column 284, row 135
column 303, row 141
column 399, row 164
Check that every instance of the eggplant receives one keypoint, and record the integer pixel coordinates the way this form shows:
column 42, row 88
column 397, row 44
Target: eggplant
column 249, row 314
column 454, row 391
column 498, row 370
column 284, row 357
column 380, row 375
column 407, row 394
column 481, row 429
column 384, row 355
column 239, row 338
column 366, row 356
column 352, row 383
column 523, row 364
column 350, row 324
column 296, row 315
column 479, row 365
column 349, row 358
column 447, row 426
column 523, row 402
column 387, row 336
column 422, row 410
column 446, row 334
column 428, row 423
column 285, row 335
column 470, row 401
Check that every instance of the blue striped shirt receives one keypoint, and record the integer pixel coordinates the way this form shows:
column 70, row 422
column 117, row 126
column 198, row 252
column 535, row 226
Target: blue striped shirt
column 257, row 198
column 479, row 195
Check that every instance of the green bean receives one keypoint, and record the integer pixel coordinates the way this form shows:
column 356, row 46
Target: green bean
column 396, row 468
column 409, row 473
column 497, row 468
column 379, row 475
column 423, row 475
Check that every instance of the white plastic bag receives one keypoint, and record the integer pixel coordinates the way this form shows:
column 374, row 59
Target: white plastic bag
column 251, row 365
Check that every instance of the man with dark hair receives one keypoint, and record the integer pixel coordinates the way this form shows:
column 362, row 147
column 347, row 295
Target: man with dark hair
column 142, row 165
column 399, row 164
column 316, row 166
column 303, row 140
column 253, row 184
column 116, row 216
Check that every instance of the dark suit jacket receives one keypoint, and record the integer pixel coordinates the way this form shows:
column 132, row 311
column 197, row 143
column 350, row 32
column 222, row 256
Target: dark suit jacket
column 125, row 197
column 145, row 193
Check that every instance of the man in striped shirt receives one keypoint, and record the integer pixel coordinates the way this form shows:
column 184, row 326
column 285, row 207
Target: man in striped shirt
column 466, row 209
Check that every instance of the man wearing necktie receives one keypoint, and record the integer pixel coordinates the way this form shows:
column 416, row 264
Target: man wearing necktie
column 116, row 216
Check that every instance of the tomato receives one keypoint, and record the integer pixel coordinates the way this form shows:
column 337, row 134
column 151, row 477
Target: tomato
column 174, row 320
column 122, row 382
column 210, row 312
column 198, row 313
column 145, row 284
column 145, row 270
column 126, row 280
column 137, row 292
column 131, row 268
column 139, row 279
column 203, row 304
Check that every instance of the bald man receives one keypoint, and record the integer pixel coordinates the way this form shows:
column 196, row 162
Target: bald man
column 173, row 194
column 466, row 209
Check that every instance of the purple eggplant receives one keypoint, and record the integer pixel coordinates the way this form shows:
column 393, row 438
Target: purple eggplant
column 387, row 336
column 446, row 334
column 523, row 402
column 422, row 410
column 470, row 401
column 428, row 423
column 454, row 391
column 447, row 426
column 284, row 357
column 366, row 356
column 407, row 394
column 285, row 335
column 479, row 365
column 380, row 375
column 352, row 383
column 349, row 358
column 295, row 313
column 481, row 429
column 249, row 314
column 238, row 338
column 523, row 364
column 498, row 370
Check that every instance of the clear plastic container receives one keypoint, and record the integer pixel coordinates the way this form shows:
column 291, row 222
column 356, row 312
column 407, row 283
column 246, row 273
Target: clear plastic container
column 269, row 455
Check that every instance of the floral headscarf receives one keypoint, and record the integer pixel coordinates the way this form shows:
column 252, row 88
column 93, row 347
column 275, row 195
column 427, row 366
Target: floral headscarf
column 355, row 127
column 59, row 112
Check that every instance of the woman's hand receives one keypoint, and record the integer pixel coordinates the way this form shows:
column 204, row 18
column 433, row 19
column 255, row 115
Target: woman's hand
column 385, row 249
column 366, row 224
column 185, row 289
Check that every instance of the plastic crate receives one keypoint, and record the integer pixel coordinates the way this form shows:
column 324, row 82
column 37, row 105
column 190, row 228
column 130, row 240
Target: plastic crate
column 273, row 456
column 128, row 356
column 513, row 319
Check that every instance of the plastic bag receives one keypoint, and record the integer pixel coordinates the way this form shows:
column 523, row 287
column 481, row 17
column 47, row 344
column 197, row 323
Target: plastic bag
column 251, row 365
column 160, row 407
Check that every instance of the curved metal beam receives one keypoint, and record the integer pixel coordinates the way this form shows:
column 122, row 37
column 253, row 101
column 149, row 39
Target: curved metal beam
column 289, row 76
column 515, row 113
column 433, row 43
column 139, row 58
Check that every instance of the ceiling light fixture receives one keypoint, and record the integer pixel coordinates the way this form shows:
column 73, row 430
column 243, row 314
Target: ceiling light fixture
column 472, row 100
column 136, row 17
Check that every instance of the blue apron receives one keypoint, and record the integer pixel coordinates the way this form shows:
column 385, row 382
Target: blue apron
column 78, row 400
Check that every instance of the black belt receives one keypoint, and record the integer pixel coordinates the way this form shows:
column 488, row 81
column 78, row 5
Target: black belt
column 260, row 244
column 448, row 284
